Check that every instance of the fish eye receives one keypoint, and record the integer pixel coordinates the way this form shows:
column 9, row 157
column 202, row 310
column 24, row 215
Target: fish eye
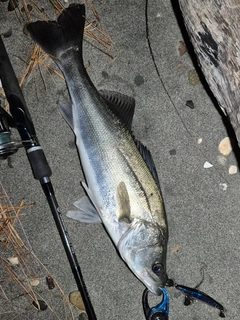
column 157, row 268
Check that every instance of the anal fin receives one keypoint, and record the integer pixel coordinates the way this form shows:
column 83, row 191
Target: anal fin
column 66, row 112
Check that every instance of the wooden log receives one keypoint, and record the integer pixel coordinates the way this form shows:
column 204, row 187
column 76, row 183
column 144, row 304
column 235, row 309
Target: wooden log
column 214, row 30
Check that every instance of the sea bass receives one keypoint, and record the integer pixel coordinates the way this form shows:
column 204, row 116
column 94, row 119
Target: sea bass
column 122, row 185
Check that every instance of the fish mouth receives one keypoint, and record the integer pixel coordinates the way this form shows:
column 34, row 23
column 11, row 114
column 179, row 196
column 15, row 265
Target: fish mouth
column 154, row 284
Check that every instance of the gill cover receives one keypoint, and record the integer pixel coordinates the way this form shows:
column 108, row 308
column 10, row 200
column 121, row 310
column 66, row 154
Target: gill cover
column 141, row 246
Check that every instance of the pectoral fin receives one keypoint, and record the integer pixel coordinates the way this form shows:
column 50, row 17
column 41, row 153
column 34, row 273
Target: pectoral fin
column 123, row 201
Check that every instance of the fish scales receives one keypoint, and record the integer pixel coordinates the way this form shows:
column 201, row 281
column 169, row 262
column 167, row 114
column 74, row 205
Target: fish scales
column 119, row 184
column 115, row 150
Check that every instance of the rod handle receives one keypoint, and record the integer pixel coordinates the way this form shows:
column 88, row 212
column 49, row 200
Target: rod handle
column 38, row 162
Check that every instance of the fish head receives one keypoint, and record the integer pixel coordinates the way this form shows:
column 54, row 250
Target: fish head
column 144, row 248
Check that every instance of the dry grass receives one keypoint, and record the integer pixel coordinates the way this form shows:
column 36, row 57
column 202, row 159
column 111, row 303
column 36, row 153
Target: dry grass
column 38, row 60
column 20, row 266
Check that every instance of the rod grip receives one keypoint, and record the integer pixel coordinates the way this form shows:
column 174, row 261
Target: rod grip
column 38, row 162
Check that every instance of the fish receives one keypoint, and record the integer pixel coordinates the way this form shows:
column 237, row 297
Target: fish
column 120, row 179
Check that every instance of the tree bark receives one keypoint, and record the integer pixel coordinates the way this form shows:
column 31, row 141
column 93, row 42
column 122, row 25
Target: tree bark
column 214, row 29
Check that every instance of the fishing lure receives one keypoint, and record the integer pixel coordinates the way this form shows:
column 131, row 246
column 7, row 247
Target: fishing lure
column 194, row 293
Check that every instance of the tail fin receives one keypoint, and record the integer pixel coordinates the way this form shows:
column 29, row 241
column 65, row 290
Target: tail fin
column 56, row 36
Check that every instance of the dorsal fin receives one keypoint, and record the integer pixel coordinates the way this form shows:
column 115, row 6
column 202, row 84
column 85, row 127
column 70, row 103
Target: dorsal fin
column 123, row 106
column 147, row 157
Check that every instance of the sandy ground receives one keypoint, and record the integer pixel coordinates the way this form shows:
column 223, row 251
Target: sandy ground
column 202, row 204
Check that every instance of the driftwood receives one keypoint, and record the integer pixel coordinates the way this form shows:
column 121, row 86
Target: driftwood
column 214, row 29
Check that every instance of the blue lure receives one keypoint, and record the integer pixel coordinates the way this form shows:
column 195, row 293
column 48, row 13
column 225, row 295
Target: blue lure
column 193, row 293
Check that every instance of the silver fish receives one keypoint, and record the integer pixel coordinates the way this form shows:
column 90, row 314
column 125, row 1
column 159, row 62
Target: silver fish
column 121, row 180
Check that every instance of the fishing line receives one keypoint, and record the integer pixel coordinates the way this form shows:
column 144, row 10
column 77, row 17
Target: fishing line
column 166, row 91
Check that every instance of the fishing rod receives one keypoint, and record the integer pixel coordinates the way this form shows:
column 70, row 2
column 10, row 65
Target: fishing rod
column 21, row 120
